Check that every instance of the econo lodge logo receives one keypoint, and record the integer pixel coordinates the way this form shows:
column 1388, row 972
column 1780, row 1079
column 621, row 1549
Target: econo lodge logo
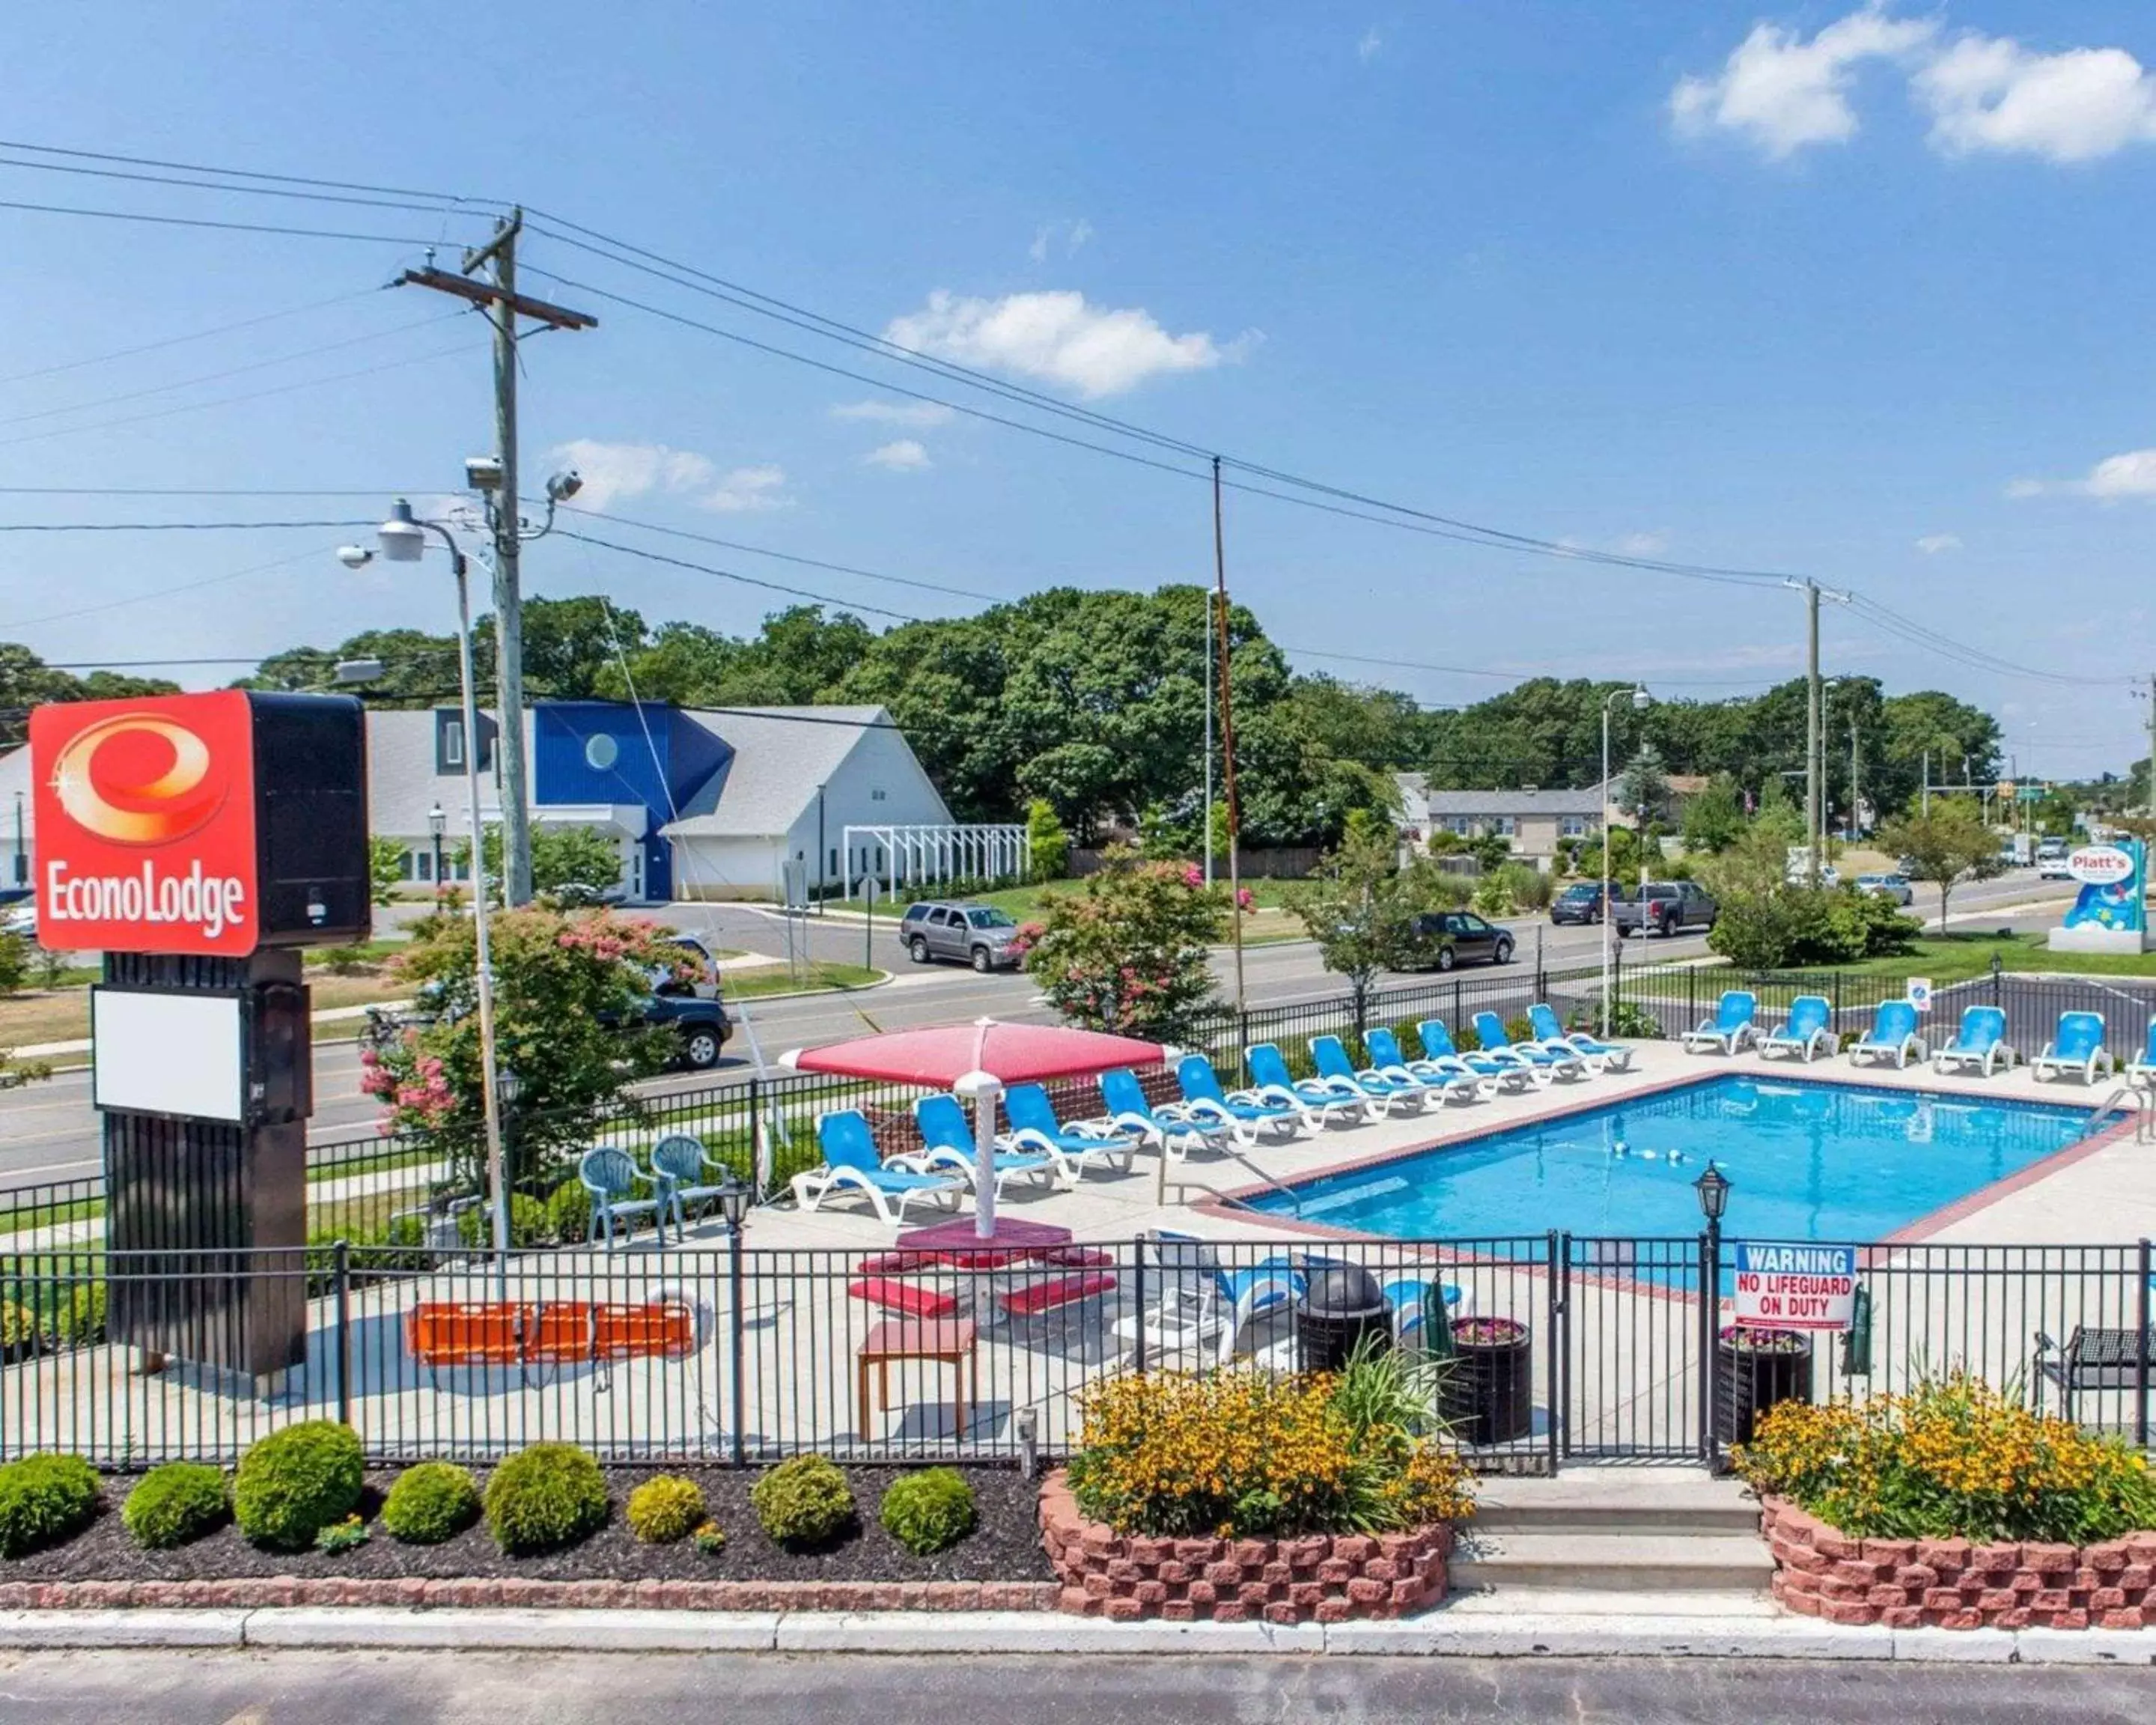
column 146, row 824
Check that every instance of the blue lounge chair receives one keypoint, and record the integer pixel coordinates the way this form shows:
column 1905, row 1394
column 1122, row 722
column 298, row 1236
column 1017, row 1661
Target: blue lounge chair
column 1893, row 1034
column 947, row 1137
column 680, row 1166
column 1600, row 1056
column 1440, row 1049
column 611, row 1176
column 1547, row 1066
column 1330, row 1054
column 2143, row 1071
column 2077, row 1049
column 1169, row 1127
column 1087, row 1144
column 1730, row 1028
column 1808, row 1030
column 1240, row 1111
column 1199, row 1304
column 1449, row 1076
column 1980, row 1042
column 1320, row 1098
column 851, row 1163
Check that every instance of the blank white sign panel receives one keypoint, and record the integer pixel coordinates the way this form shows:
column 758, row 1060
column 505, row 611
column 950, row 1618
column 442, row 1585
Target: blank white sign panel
column 166, row 1054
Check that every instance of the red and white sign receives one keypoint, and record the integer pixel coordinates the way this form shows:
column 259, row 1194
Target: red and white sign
column 146, row 824
column 1794, row 1284
column 2102, row 864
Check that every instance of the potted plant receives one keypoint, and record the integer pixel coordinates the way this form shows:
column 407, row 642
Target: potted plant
column 1753, row 1369
column 1488, row 1393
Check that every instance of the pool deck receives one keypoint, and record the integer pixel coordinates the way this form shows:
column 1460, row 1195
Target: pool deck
column 2101, row 1190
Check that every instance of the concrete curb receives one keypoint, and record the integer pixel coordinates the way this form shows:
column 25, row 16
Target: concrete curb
column 1434, row 1635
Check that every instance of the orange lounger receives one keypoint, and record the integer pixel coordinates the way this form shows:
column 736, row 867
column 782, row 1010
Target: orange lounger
column 507, row 1332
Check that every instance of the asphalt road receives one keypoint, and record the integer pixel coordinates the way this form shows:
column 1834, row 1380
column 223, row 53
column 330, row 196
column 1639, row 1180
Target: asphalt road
column 307, row 1688
column 48, row 1132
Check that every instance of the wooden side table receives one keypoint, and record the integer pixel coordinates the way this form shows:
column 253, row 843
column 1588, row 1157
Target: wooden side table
column 947, row 1341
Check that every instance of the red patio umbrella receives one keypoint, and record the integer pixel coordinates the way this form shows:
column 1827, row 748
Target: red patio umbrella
column 977, row 1060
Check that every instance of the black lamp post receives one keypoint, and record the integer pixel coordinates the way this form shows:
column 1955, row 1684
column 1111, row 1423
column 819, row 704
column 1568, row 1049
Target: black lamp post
column 735, row 1194
column 438, row 823
column 1711, row 1189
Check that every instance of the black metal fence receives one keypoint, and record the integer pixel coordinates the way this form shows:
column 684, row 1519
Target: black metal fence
column 1556, row 1346
column 1679, row 997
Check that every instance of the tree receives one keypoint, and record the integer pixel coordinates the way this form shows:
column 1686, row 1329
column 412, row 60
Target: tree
column 1049, row 844
column 1714, row 819
column 26, row 680
column 1645, row 784
column 1943, row 845
column 569, row 989
column 572, row 856
column 1127, row 952
column 385, row 868
column 1360, row 910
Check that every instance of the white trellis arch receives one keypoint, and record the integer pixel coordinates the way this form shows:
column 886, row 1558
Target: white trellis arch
column 899, row 856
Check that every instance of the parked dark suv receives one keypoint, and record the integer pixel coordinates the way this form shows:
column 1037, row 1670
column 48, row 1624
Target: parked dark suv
column 1446, row 938
column 1580, row 902
column 978, row 935
column 1663, row 907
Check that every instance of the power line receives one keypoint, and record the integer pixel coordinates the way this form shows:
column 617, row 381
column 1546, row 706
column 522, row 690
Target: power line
column 129, row 215
column 226, row 401
column 165, row 526
column 149, row 179
column 240, row 173
column 207, row 491
column 223, row 329
column 167, row 591
column 797, row 593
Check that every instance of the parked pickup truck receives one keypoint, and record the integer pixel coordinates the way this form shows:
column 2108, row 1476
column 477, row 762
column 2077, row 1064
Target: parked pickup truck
column 700, row 1024
column 1663, row 907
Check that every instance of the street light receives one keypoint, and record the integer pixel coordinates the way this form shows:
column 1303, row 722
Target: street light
column 438, row 823
column 1713, row 1190
column 1640, row 698
column 402, row 539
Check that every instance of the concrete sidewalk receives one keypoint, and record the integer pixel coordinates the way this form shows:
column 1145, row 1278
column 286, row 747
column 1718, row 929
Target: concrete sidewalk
column 1445, row 1633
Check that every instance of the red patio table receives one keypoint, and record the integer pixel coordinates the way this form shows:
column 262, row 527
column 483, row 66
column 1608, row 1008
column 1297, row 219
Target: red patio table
column 956, row 1242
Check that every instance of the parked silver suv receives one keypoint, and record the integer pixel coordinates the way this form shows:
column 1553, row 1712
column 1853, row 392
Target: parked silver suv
column 978, row 935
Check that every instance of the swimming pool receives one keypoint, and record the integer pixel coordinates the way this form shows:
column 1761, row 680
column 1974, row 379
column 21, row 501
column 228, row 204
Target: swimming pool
column 1805, row 1162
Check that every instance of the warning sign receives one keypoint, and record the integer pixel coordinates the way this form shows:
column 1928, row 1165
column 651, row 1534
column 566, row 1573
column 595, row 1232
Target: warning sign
column 1794, row 1284
column 1919, row 992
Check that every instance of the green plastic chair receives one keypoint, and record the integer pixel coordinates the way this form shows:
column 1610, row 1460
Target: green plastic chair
column 679, row 1164
column 611, row 1176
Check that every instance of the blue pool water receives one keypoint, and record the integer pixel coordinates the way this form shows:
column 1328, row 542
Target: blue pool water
column 1804, row 1160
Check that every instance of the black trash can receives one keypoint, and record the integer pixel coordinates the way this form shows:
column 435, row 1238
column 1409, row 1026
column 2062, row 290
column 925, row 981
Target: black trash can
column 1754, row 1370
column 1344, row 1305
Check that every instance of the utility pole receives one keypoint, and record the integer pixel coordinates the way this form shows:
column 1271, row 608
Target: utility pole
column 1855, row 801
column 1206, row 824
column 1814, row 729
column 1227, row 736
column 2152, row 746
column 503, row 306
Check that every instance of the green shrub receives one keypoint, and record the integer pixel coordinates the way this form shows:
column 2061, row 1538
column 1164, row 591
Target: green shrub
column 293, row 1483
column 80, row 1321
column 527, row 1222
column 569, row 1213
column 20, row 1331
column 710, row 1538
column 805, row 1502
column 175, row 1502
column 429, row 1503
column 665, row 1509
column 339, row 1536
column 548, row 1496
column 45, row 1499
column 930, row 1510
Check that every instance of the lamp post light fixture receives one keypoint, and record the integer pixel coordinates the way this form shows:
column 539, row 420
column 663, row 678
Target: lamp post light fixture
column 438, row 823
column 1712, row 1188
column 1639, row 699
column 735, row 1195
column 401, row 539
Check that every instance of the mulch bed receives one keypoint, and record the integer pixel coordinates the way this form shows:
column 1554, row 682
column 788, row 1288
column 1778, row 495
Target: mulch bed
column 1004, row 1547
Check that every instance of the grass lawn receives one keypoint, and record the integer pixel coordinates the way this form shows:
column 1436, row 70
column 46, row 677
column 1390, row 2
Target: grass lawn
column 63, row 1015
column 776, row 979
column 1953, row 958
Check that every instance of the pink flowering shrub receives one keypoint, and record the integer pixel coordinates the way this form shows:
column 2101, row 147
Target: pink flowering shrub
column 1126, row 952
column 570, row 988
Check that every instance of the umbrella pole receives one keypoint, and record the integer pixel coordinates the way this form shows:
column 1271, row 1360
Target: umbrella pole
column 984, row 1090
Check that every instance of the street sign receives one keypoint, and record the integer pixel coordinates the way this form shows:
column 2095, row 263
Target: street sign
column 1794, row 1284
column 2032, row 794
column 1919, row 992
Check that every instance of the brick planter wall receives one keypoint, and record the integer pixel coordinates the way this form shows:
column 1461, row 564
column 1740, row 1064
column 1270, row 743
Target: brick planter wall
column 1320, row 1579
column 1955, row 1584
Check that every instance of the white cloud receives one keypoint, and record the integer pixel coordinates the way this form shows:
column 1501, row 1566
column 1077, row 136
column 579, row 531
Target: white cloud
column 906, row 456
column 1055, row 336
column 1370, row 46
column 923, row 413
column 614, row 472
column 1932, row 544
column 1643, row 545
column 1072, row 234
column 1783, row 92
column 1990, row 93
column 1980, row 93
column 2132, row 474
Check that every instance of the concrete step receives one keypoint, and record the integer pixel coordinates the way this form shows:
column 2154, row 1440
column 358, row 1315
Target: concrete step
column 1671, row 1502
column 1539, row 1602
column 1612, row 1562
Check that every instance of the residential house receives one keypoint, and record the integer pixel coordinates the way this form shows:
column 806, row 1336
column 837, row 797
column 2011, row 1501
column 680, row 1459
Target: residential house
column 1533, row 820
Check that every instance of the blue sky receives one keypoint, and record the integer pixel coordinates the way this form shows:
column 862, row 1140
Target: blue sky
column 1857, row 293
